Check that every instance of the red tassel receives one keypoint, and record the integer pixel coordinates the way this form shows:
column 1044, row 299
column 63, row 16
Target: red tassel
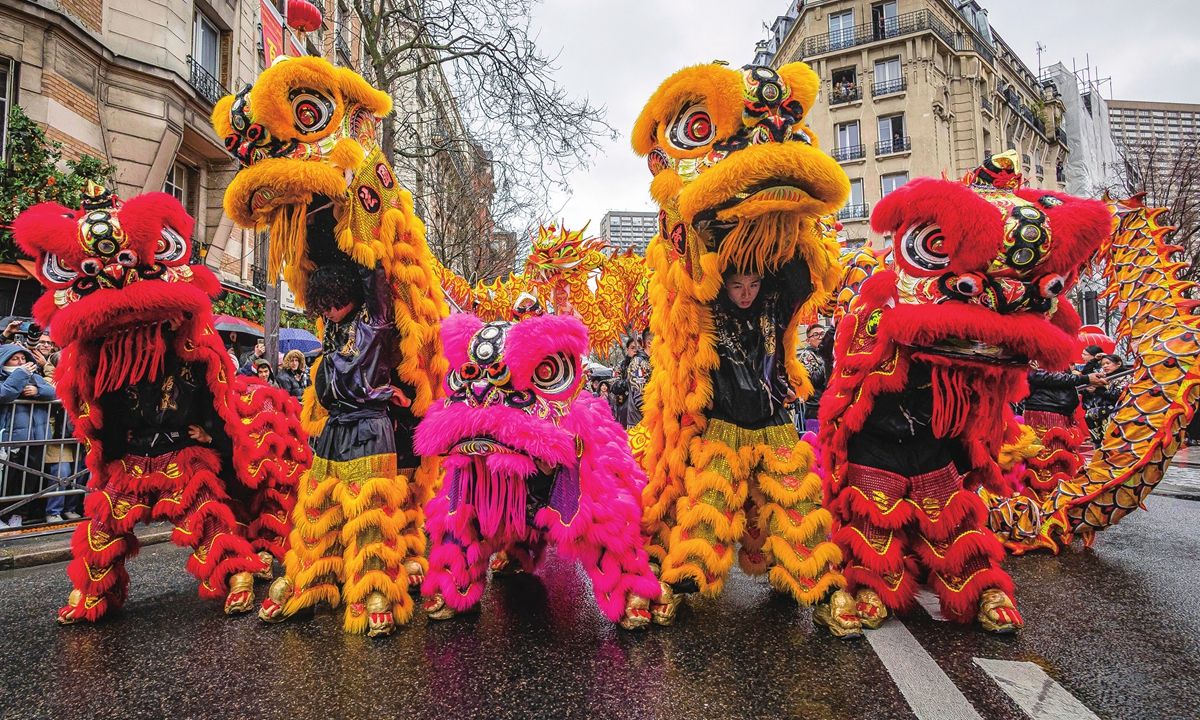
column 951, row 402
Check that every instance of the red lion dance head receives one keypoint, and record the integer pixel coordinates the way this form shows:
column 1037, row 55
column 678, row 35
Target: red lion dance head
column 995, row 258
column 116, row 272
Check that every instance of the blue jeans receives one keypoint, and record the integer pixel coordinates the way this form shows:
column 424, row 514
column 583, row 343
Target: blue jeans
column 58, row 504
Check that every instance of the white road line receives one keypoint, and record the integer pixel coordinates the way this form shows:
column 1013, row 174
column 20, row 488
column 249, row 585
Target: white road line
column 928, row 599
column 1034, row 691
column 930, row 693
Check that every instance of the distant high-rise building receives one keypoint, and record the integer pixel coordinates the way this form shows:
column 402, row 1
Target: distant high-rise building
column 1163, row 123
column 624, row 229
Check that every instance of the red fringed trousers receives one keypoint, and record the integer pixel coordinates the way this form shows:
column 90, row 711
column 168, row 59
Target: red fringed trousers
column 888, row 526
column 182, row 487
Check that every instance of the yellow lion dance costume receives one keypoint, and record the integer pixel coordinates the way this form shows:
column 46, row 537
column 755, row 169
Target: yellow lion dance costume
column 742, row 186
column 313, row 171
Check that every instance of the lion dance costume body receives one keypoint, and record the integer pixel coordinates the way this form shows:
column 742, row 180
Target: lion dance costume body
column 927, row 362
column 313, row 171
column 530, row 462
column 742, row 187
column 171, row 433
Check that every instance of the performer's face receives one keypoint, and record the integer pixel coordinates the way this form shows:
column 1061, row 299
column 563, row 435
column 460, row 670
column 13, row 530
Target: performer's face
column 339, row 314
column 743, row 289
column 815, row 336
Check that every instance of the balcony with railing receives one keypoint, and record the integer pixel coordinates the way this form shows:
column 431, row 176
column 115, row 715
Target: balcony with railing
column 986, row 105
column 842, row 94
column 855, row 212
column 205, row 85
column 889, row 87
column 1041, row 172
column 897, row 144
column 905, row 24
column 849, row 152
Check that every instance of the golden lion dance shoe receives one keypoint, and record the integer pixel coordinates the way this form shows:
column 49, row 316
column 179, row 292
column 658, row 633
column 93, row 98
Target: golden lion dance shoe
column 436, row 608
column 998, row 614
column 416, row 575
column 870, row 609
column 241, row 594
column 838, row 613
column 663, row 612
column 272, row 608
column 268, row 565
column 380, row 620
column 637, row 613
column 504, row 566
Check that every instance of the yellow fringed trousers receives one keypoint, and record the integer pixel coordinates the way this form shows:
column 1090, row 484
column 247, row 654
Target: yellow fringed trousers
column 355, row 525
column 753, row 488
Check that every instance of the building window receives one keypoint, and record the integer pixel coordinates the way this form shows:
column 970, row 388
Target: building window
column 204, row 63
column 8, row 95
column 856, row 208
column 206, row 45
column 341, row 32
column 888, row 77
column 845, row 86
column 892, row 135
column 176, row 182
column 884, row 23
column 841, row 30
column 891, row 181
column 849, row 142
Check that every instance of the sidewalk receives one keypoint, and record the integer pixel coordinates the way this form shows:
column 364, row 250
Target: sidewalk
column 19, row 550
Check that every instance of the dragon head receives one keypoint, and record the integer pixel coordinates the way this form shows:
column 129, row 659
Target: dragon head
column 557, row 249
column 305, row 134
column 994, row 257
column 736, row 167
column 112, row 266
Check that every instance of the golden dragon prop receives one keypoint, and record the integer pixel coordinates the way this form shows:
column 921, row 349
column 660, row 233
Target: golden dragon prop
column 573, row 274
column 1157, row 320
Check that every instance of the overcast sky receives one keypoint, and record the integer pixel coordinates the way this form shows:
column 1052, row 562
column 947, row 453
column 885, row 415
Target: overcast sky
column 616, row 52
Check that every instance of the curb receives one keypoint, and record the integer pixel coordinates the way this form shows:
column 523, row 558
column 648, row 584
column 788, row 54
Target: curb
column 54, row 551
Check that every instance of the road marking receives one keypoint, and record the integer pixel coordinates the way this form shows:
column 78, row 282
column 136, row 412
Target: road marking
column 930, row 693
column 1034, row 691
column 928, row 599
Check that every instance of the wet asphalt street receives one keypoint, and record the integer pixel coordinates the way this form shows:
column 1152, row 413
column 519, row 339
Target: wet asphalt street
column 1113, row 631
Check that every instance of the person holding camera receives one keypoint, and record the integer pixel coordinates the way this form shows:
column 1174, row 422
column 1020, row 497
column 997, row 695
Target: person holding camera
column 20, row 421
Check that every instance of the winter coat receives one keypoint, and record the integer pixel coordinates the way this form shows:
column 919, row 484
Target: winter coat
column 23, row 420
column 1056, row 392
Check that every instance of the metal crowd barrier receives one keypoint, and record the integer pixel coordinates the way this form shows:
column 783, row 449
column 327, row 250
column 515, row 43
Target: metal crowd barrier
column 39, row 462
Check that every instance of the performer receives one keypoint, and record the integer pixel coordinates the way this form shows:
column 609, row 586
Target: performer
column 741, row 258
column 350, row 246
column 928, row 360
column 170, row 431
column 530, row 462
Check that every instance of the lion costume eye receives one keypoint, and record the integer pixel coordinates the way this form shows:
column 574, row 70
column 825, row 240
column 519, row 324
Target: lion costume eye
column 923, row 247
column 312, row 110
column 171, row 246
column 554, row 374
column 56, row 270
column 692, row 128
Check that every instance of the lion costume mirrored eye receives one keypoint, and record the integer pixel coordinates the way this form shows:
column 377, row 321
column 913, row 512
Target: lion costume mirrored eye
column 923, row 247
column 172, row 247
column 692, row 128
column 56, row 271
column 311, row 109
column 554, row 375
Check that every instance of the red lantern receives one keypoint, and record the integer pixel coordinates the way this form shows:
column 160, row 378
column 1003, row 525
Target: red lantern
column 303, row 16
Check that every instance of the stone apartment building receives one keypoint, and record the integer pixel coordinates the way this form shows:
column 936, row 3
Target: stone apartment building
column 134, row 81
column 916, row 88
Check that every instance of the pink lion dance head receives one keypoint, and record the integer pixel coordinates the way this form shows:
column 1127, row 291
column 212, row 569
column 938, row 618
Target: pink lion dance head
column 529, row 460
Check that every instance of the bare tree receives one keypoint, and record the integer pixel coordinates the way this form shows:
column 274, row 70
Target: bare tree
column 1170, row 176
column 467, row 76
